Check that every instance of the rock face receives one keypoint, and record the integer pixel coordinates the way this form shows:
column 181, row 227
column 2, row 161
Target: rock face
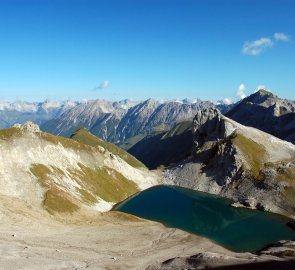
column 267, row 112
column 242, row 163
column 28, row 126
column 211, row 145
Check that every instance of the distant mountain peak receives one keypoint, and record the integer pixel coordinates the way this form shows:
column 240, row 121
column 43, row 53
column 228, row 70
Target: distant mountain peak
column 260, row 97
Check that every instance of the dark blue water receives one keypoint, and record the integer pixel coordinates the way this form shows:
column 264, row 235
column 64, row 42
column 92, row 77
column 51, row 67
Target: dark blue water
column 210, row 216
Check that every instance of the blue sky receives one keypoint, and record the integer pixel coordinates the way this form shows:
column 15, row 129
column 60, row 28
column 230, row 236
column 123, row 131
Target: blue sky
column 165, row 49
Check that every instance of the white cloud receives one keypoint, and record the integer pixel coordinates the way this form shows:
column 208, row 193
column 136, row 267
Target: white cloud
column 227, row 101
column 241, row 91
column 281, row 37
column 103, row 85
column 256, row 47
column 240, row 94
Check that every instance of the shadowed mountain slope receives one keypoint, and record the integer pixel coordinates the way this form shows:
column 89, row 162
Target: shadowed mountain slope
column 165, row 148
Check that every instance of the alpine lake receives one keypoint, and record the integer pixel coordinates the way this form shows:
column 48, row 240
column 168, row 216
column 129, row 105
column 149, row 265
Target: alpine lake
column 211, row 216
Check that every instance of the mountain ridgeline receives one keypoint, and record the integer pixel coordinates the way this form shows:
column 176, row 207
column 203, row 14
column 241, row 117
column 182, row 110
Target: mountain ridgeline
column 118, row 123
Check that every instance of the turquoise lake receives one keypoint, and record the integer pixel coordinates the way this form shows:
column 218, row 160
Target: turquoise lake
column 210, row 216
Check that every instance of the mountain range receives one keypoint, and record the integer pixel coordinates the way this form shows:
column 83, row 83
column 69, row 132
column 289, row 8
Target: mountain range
column 117, row 122
column 262, row 110
column 38, row 112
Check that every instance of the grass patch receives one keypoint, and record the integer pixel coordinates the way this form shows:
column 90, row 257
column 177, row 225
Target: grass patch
column 253, row 153
column 65, row 142
column 55, row 199
column 8, row 133
column 85, row 137
column 105, row 183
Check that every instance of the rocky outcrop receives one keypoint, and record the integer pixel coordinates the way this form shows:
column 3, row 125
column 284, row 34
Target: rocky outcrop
column 242, row 163
column 211, row 136
column 28, row 126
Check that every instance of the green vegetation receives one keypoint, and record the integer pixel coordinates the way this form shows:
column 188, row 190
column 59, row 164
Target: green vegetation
column 7, row 133
column 65, row 142
column 85, row 137
column 253, row 153
column 105, row 183
column 55, row 199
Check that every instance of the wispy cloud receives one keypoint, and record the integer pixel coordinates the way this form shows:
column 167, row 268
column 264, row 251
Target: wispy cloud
column 258, row 46
column 241, row 92
column 227, row 101
column 103, row 85
column 281, row 37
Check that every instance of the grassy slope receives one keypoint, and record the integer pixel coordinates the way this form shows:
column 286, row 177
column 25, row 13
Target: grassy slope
column 55, row 199
column 254, row 153
column 8, row 133
column 104, row 183
column 86, row 138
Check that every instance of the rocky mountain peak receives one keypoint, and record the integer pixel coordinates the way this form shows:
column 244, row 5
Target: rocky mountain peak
column 260, row 97
column 210, row 127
